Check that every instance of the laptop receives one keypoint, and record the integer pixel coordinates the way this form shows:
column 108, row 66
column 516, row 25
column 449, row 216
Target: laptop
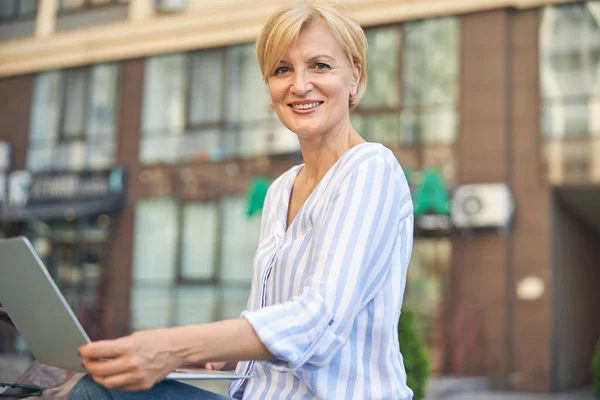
column 44, row 319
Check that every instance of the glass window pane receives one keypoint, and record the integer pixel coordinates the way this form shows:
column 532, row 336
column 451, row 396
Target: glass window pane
column 254, row 138
column 26, row 7
column 206, row 86
column 74, row 112
column 564, row 117
column 429, row 125
column 75, row 157
column 383, row 128
column 199, row 240
column 247, row 95
column 151, row 307
column 201, row 144
column 195, row 305
column 163, row 109
column 100, row 155
column 7, row 9
column 383, row 89
column 101, row 113
column 233, row 302
column 281, row 140
column 45, row 117
column 430, row 61
column 570, row 50
column 155, row 241
column 70, row 4
column 239, row 241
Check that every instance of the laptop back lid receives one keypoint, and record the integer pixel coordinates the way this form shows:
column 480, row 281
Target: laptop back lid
column 37, row 307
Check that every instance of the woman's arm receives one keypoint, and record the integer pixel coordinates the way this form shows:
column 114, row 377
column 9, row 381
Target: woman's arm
column 138, row 361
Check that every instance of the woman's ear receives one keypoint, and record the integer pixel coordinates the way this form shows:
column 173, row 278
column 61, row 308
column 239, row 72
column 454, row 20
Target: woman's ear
column 356, row 74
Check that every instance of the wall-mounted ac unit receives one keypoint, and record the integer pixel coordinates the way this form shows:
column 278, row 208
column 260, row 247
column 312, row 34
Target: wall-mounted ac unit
column 170, row 6
column 488, row 205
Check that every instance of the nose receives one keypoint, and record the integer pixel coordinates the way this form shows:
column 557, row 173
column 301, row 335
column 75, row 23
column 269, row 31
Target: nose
column 301, row 84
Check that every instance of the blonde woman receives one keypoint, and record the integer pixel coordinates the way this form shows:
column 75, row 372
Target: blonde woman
column 330, row 269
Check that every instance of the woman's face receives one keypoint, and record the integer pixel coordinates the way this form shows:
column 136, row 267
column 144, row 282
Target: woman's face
column 311, row 86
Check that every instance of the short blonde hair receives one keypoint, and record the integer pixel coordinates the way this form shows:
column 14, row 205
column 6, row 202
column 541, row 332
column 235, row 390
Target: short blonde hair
column 284, row 26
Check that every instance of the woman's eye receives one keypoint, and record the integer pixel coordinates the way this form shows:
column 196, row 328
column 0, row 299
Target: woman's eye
column 321, row 66
column 281, row 70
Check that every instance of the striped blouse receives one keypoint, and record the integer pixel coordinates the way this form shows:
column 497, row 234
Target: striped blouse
column 327, row 291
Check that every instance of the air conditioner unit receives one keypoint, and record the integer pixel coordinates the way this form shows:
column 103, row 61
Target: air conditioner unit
column 170, row 6
column 487, row 205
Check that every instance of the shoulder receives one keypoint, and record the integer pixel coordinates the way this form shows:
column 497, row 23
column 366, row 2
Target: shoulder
column 372, row 158
column 374, row 168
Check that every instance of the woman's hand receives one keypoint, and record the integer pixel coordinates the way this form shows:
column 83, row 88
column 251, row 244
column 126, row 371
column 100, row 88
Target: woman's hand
column 132, row 363
column 214, row 366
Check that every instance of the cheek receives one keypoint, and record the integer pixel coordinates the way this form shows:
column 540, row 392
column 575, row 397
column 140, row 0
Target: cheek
column 277, row 92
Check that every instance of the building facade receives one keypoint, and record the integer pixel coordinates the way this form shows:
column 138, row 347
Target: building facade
column 134, row 134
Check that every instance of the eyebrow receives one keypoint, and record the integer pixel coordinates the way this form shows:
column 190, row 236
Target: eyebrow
column 312, row 59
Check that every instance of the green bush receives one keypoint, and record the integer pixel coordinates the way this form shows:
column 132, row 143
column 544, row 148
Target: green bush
column 414, row 353
column 596, row 371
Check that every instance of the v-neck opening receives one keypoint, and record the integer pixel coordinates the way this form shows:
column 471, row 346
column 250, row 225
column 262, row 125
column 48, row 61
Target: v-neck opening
column 312, row 194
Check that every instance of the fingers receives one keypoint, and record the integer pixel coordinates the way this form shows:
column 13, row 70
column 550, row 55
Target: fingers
column 214, row 366
column 107, row 349
column 104, row 368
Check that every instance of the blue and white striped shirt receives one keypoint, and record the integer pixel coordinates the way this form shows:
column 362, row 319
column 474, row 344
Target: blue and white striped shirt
column 327, row 292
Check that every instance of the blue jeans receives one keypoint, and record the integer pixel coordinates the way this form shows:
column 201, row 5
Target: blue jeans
column 87, row 389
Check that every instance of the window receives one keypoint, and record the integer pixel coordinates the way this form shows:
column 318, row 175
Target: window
column 209, row 104
column 377, row 116
column 73, row 119
column 412, row 90
column 570, row 70
column 73, row 5
column 430, row 81
column 192, row 261
column 17, row 9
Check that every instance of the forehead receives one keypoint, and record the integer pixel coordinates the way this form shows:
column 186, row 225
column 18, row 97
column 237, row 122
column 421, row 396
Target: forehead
column 314, row 39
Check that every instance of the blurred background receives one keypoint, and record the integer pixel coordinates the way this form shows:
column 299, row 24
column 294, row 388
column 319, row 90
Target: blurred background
column 136, row 143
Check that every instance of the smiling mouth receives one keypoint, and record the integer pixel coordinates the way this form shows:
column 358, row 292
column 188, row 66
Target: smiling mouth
column 306, row 106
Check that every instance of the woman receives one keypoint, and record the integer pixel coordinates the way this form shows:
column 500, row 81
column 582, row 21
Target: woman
column 330, row 269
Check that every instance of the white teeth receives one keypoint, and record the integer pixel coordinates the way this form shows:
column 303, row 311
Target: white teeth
column 305, row 106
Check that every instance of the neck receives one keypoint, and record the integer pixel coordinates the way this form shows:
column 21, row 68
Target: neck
column 321, row 154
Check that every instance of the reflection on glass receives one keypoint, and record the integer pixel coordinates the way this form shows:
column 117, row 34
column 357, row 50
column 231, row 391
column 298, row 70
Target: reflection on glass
column 26, row 7
column 233, row 302
column 380, row 128
column 430, row 80
column 570, row 69
column 7, row 9
column 426, row 282
column 151, row 306
column 240, row 240
column 199, row 240
column 432, row 125
column 79, row 132
column 195, row 305
column 383, row 89
column 206, row 86
column 155, row 241
column 70, row 4
column 163, row 112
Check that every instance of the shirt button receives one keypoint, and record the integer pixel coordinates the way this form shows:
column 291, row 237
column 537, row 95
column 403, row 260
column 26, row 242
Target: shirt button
column 330, row 322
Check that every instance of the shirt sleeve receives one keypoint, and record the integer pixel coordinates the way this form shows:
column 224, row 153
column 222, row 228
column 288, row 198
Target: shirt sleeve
column 349, row 260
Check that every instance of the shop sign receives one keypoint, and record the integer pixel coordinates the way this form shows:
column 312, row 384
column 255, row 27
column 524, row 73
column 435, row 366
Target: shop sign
column 50, row 193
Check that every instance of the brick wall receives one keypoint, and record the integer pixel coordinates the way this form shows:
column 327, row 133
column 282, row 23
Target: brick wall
column 493, row 333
